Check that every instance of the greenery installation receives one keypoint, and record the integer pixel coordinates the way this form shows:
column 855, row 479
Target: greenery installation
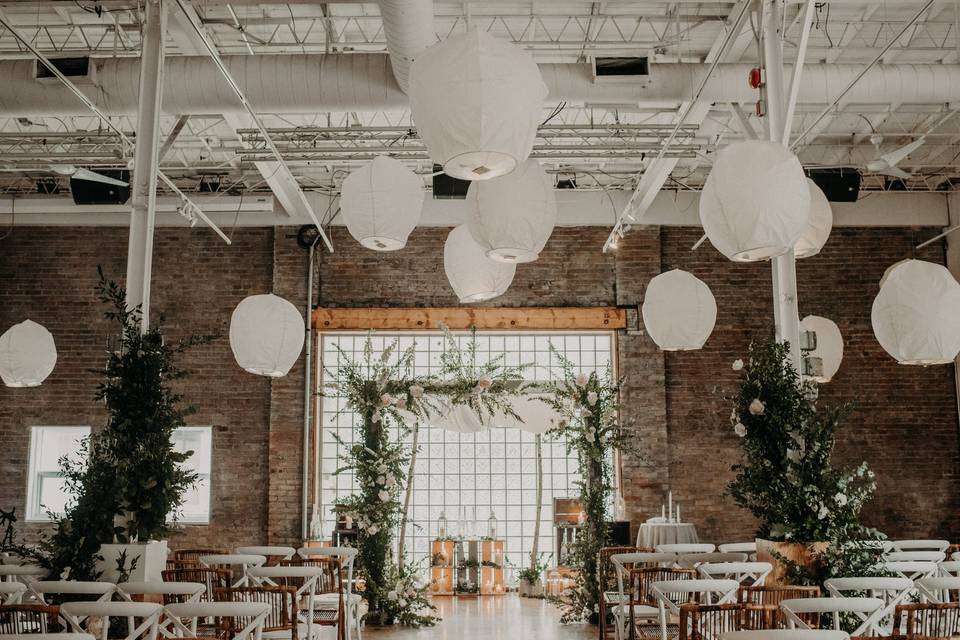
column 127, row 479
column 387, row 396
column 786, row 478
column 590, row 425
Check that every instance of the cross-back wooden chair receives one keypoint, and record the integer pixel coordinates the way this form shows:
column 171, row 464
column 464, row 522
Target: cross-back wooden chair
column 230, row 620
column 345, row 556
column 283, row 621
column 11, row 592
column 210, row 578
column 329, row 606
column 762, row 604
column 148, row 614
column 642, row 608
column 928, row 619
column 22, row 619
column 607, row 578
column 709, row 621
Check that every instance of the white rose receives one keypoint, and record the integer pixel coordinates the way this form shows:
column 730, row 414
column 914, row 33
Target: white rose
column 391, row 595
column 386, row 399
column 373, row 529
column 384, row 496
column 485, row 382
column 740, row 429
column 757, row 407
column 416, row 391
column 737, row 364
column 841, row 499
column 823, row 512
column 403, row 602
column 390, row 481
column 381, row 480
column 382, row 468
column 592, row 398
column 582, row 379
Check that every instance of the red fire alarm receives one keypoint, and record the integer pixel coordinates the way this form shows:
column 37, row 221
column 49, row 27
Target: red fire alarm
column 756, row 77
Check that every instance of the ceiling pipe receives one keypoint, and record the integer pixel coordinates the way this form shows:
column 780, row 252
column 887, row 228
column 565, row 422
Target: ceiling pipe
column 365, row 82
column 408, row 28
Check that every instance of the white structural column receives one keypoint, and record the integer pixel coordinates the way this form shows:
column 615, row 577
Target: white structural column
column 953, row 261
column 144, row 196
column 785, row 305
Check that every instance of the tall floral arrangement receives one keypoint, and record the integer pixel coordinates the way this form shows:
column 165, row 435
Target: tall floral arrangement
column 590, row 425
column 786, row 478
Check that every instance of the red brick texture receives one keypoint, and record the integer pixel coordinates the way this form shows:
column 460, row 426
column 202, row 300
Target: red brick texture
column 904, row 420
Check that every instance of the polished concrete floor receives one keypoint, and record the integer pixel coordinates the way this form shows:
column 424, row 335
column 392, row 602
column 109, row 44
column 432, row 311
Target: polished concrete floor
column 507, row 617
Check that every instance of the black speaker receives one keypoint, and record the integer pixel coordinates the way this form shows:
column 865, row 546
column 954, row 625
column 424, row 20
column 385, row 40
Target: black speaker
column 447, row 188
column 839, row 185
column 90, row 192
column 619, row 533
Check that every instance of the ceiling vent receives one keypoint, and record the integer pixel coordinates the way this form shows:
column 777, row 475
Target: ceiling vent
column 634, row 68
column 75, row 68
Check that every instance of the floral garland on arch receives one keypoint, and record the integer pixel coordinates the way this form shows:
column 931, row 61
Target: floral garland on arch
column 588, row 405
column 386, row 395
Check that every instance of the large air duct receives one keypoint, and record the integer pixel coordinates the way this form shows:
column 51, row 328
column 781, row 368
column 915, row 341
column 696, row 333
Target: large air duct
column 364, row 82
column 408, row 28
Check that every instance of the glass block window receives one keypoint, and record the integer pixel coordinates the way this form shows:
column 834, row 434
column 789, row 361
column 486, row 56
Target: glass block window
column 466, row 476
column 46, row 489
column 196, row 500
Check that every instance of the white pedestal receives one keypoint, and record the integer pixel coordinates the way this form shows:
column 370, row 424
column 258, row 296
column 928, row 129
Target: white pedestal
column 151, row 560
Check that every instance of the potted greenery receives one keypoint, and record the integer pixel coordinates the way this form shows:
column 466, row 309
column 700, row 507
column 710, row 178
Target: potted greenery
column 804, row 505
column 129, row 480
column 531, row 583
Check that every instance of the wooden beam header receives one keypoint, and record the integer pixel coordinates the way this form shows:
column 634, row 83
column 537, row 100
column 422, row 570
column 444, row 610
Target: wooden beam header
column 462, row 318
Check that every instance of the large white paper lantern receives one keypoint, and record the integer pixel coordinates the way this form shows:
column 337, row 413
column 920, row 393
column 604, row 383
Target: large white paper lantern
column 916, row 315
column 819, row 224
column 381, row 204
column 266, row 335
column 27, row 355
column 477, row 101
column 755, row 203
column 679, row 311
column 473, row 276
column 829, row 348
column 512, row 217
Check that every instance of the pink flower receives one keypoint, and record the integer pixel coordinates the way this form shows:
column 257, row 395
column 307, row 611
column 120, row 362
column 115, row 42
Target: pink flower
column 386, row 399
column 582, row 379
column 485, row 382
column 757, row 407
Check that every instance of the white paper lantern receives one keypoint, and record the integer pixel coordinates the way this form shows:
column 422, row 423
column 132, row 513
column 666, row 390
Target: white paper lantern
column 381, row 204
column 512, row 217
column 755, row 203
column 266, row 335
column 460, row 418
column 473, row 276
column 916, row 315
column 27, row 355
column 829, row 346
column 477, row 101
column 819, row 224
column 679, row 311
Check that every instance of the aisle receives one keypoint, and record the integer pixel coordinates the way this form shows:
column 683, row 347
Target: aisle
column 508, row 617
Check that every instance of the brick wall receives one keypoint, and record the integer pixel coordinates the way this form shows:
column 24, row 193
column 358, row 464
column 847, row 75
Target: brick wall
column 904, row 421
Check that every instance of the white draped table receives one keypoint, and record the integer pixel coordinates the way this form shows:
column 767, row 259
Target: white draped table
column 652, row 534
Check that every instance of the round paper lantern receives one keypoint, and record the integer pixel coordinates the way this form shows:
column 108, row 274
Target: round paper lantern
column 755, row 203
column 829, row 346
column 819, row 224
column 266, row 335
column 27, row 355
column 473, row 276
column 916, row 315
column 460, row 418
column 381, row 204
column 512, row 217
column 679, row 311
column 477, row 101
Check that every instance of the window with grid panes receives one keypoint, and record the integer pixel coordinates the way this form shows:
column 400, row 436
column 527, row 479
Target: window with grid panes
column 458, row 474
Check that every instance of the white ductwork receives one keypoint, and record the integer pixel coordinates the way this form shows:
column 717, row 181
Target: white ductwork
column 364, row 82
column 408, row 27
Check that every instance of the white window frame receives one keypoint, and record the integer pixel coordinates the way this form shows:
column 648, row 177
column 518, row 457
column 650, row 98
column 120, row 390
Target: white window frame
column 34, row 510
column 186, row 520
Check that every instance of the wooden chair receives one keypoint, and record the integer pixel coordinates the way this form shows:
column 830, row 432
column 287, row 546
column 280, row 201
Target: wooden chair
column 330, row 602
column 193, row 555
column 148, row 613
column 23, row 619
column 230, row 620
column 283, row 621
column 929, row 619
column 181, row 564
column 764, row 601
column 212, row 579
column 607, row 578
column 273, row 554
column 709, row 621
column 345, row 558
column 642, row 606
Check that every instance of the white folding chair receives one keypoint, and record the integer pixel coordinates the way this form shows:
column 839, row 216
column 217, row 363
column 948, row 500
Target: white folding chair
column 248, row 617
column 308, row 577
column 347, row 556
column 148, row 612
column 11, row 592
column 786, row 634
column 746, row 573
column 238, row 563
column 42, row 589
column 23, row 573
column 917, row 545
column 892, row 591
column 955, row 555
column 794, row 608
column 749, row 548
column 685, row 547
column 271, row 553
column 668, row 593
column 694, row 560
column 622, row 563
column 950, row 568
column 913, row 569
column 939, row 589
column 914, row 556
